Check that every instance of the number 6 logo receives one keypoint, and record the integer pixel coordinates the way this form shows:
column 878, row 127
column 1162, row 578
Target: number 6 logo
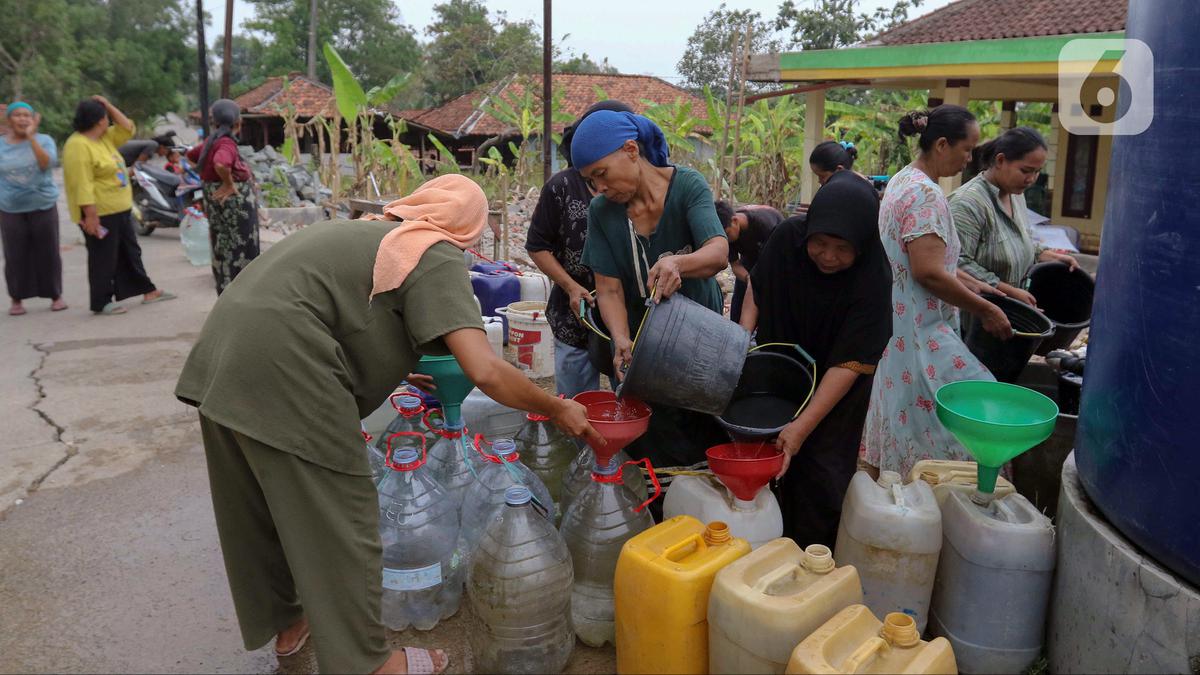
column 1105, row 87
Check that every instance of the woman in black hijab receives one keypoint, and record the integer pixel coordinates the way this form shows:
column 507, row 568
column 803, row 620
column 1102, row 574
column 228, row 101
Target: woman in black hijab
column 825, row 284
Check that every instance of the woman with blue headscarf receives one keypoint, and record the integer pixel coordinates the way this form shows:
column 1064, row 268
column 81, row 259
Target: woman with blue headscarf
column 652, row 230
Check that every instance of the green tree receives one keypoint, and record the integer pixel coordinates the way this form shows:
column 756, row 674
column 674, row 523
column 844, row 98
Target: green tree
column 470, row 47
column 582, row 63
column 708, row 59
column 246, row 54
column 367, row 33
column 829, row 24
column 139, row 53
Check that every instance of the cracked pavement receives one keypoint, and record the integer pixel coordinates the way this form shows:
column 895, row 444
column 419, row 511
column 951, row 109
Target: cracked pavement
column 109, row 559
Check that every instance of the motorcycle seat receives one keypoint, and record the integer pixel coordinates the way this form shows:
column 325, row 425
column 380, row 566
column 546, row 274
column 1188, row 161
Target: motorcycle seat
column 162, row 176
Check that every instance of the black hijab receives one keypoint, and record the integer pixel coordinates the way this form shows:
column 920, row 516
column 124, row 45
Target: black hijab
column 837, row 318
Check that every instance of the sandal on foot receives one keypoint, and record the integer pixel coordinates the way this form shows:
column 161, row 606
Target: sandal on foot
column 420, row 661
column 111, row 309
column 58, row 307
column 295, row 650
column 162, row 297
column 16, row 311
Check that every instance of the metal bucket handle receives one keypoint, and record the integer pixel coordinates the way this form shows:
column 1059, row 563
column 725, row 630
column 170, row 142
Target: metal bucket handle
column 812, row 364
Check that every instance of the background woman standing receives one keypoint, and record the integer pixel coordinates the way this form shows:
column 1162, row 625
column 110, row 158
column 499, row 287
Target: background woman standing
column 229, row 199
column 28, row 211
column 925, row 351
column 99, row 199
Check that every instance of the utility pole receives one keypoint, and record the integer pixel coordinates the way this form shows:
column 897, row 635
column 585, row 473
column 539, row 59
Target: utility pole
column 547, row 92
column 202, row 52
column 228, row 56
column 312, row 40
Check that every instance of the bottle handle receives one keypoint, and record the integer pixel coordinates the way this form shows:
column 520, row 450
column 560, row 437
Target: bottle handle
column 768, row 579
column 695, row 542
column 387, row 458
column 653, row 481
column 860, row 655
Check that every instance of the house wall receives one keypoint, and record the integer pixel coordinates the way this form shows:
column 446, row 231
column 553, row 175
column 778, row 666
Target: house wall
column 1089, row 228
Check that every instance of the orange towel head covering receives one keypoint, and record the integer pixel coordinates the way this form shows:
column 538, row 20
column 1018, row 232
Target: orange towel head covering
column 449, row 208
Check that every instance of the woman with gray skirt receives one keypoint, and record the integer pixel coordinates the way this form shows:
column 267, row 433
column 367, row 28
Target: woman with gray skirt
column 28, row 212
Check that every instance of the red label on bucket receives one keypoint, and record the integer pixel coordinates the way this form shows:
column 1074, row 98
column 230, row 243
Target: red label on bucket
column 517, row 336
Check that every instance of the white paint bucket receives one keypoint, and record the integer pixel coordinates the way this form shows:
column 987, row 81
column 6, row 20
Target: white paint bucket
column 529, row 335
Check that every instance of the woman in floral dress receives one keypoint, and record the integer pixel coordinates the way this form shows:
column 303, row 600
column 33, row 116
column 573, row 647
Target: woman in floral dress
column 925, row 351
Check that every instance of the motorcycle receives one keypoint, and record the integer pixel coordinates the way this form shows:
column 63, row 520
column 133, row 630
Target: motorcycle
column 161, row 198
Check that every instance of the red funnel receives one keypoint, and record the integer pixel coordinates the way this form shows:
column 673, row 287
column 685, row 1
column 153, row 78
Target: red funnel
column 745, row 467
column 620, row 422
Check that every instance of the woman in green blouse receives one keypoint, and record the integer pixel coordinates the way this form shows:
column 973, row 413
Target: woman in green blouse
column 989, row 214
column 652, row 231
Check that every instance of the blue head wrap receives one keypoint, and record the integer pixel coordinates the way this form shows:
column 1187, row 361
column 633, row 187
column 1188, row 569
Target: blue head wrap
column 17, row 105
column 605, row 131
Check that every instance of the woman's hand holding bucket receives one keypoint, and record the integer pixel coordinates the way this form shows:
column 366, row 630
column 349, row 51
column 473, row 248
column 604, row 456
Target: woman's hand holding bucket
column 789, row 442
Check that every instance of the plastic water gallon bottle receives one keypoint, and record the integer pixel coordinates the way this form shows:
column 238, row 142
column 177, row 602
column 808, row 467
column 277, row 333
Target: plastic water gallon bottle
column 418, row 526
column 601, row 519
column 490, row 418
column 502, row 469
column 432, row 425
column 547, row 452
column 519, row 592
column 376, row 459
column 410, row 414
column 193, row 234
column 453, row 463
column 579, row 474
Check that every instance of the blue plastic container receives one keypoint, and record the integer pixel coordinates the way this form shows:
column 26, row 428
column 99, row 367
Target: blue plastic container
column 496, row 289
column 499, row 266
column 1136, row 444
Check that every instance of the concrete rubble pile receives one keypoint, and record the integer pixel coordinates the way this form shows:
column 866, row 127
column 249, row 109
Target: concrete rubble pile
column 301, row 185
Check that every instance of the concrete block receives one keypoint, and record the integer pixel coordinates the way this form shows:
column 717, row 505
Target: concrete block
column 1113, row 609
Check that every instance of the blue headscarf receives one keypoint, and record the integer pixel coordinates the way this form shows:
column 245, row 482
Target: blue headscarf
column 605, row 131
column 18, row 105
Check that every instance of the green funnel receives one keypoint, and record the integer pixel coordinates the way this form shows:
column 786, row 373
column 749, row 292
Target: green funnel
column 995, row 421
column 452, row 384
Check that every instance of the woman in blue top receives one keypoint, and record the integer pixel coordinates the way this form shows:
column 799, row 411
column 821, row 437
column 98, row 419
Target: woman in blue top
column 652, row 230
column 28, row 211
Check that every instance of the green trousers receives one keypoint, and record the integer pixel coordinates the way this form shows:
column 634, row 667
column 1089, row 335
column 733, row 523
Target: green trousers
column 298, row 539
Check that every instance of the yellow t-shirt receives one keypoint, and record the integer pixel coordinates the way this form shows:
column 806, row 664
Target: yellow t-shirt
column 95, row 173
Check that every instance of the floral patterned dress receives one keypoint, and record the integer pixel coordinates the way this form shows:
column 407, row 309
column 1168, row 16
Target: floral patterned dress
column 925, row 351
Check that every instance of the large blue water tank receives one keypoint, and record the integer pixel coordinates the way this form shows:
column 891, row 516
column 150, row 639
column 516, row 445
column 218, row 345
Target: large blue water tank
column 1138, row 445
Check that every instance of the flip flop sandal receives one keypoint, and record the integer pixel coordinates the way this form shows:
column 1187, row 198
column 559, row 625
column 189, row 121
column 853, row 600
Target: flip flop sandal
column 17, row 311
column 59, row 308
column 111, row 309
column 295, row 650
column 420, row 661
column 166, row 295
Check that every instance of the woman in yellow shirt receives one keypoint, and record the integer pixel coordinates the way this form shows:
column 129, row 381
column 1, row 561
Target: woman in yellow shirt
column 99, row 199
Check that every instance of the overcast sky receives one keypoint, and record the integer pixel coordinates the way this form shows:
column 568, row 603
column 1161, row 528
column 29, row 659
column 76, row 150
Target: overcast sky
column 637, row 36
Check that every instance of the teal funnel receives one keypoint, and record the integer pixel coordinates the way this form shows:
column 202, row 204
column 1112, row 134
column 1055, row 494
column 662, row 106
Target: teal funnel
column 452, row 384
column 995, row 421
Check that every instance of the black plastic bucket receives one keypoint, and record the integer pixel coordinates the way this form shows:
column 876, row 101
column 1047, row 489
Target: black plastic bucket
column 686, row 356
column 1065, row 297
column 1007, row 358
column 771, row 391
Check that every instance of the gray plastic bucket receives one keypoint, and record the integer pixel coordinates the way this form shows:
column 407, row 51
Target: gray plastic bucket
column 687, row 356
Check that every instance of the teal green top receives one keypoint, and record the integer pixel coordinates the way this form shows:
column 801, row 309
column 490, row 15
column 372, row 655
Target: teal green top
column 689, row 219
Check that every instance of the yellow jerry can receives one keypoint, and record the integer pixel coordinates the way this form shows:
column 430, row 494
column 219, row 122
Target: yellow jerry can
column 661, row 590
column 765, row 603
column 854, row 641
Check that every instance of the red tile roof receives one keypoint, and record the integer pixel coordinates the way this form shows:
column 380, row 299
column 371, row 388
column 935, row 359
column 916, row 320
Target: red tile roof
column 998, row 19
column 309, row 98
column 579, row 92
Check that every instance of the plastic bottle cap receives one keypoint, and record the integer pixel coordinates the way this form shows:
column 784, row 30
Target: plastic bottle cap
column 717, row 532
column 504, row 446
column 900, row 630
column 818, row 559
column 888, row 478
column 408, row 402
column 517, row 495
column 454, row 426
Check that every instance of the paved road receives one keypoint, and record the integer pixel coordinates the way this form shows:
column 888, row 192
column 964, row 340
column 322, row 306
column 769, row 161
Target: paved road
column 108, row 552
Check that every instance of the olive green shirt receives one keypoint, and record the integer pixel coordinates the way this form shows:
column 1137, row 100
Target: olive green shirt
column 996, row 247
column 293, row 355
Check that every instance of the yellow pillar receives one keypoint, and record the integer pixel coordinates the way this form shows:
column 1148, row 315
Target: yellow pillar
column 814, row 133
column 956, row 95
